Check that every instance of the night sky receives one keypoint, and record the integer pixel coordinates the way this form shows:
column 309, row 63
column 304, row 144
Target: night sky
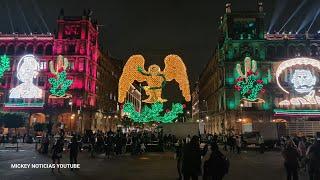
column 154, row 28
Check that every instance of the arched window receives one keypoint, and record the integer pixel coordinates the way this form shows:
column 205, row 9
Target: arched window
column 29, row 49
column 302, row 50
column 2, row 49
column 280, row 51
column 314, row 50
column 71, row 49
column 48, row 50
column 292, row 51
column 10, row 49
column 271, row 51
column 40, row 49
column 20, row 49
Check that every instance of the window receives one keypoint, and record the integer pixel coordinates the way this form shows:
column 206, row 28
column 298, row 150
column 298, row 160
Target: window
column 41, row 81
column 71, row 65
column 43, row 65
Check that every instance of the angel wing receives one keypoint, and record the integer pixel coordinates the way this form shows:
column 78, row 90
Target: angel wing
column 175, row 69
column 129, row 74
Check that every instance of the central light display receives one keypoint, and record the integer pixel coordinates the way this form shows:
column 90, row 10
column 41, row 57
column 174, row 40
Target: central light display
column 303, row 80
column 27, row 70
column 156, row 79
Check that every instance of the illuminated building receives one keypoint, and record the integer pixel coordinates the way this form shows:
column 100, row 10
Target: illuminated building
column 195, row 103
column 290, row 99
column 77, row 40
column 109, row 71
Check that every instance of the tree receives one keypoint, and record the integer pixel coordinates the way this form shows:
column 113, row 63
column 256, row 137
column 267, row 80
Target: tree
column 13, row 120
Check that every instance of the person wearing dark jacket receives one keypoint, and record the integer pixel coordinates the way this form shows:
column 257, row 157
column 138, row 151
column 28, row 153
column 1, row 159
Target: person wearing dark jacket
column 74, row 149
column 216, row 166
column 57, row 150
column 191, row 163
column 291, row 160
column 313, row 154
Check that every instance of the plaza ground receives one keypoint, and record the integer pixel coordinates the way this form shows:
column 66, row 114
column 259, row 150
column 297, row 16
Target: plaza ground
column 250, row 165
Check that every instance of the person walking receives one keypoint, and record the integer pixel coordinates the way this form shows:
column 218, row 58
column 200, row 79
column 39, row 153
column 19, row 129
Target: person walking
column 191, row 163
column 291, row 160
column 74, row 149
column 216, row 166
column 57, row 150
column 313, row 154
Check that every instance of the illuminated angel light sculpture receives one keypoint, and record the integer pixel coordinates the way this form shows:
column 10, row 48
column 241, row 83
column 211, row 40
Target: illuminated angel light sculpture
column 27, row 70
column 156, row 79
column 248, row 84
column 303, row 81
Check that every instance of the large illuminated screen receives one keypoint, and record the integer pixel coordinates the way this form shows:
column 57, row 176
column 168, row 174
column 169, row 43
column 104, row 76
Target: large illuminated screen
column 27, row 70
column 302, row 80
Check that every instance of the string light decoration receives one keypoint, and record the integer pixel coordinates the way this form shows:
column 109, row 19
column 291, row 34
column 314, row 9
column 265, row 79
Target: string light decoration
column 153, row 113
column 59, row 83
column 27, row 70
column 4, row 64
column 134, row 71
column 303, row 81
column 248, row 83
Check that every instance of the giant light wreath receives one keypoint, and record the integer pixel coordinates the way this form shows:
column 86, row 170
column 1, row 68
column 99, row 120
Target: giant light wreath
column 156, row 79
column 303, row 80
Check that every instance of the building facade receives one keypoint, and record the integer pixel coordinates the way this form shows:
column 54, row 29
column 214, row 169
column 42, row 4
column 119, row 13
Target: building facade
column 77, row 40
column 243, row 36
column 109, row 71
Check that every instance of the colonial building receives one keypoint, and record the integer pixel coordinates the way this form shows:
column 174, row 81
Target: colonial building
column 109, row 71
column 277, row 110
column 195, row 103
column 77, row 40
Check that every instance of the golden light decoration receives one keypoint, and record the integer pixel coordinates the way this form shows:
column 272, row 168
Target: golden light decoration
column 156, row 79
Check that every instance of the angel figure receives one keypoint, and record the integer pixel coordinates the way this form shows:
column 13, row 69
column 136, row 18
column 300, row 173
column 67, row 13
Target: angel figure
column 174, row 69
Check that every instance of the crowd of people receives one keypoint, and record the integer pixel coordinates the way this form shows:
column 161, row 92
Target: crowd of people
column 298, row 153
column 196, row 156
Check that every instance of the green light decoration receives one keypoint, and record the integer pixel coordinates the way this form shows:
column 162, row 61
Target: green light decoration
column 153, row 113
column 4, row 64
column 60, row 84
column 248, row 83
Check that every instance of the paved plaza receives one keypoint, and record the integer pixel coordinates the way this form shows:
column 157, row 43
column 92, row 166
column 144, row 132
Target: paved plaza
column 249, row 165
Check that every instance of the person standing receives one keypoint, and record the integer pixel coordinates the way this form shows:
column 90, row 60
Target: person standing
column 313, row 154
column 225, row 142
column 179, row 148
column 217, row 166
column 191, row 163
column 74, row 149
column 261, row 144
column 291, row 160
column 238, row 144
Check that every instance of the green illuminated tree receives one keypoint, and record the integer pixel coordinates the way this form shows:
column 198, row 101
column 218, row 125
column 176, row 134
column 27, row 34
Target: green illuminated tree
column 4, row 64
column 60, row 84
column 153, row 113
